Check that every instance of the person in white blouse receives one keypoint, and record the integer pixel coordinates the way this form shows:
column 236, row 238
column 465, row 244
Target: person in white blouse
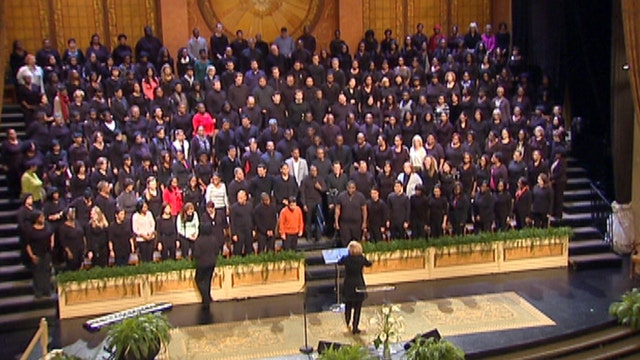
column 144, row 229
column 216, row 193
column 298, row 167
column 30, row 68
column 417, row 153
column 409, row 179
column 187, row 225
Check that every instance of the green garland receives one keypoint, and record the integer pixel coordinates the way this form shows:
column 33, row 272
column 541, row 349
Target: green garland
column 150, row 268
column 470, row 242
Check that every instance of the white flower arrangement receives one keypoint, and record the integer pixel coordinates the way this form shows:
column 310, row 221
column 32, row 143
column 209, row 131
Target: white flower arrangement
column 389, row 325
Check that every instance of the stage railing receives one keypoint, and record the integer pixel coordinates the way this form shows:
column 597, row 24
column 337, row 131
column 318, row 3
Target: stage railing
column 42, row 336
column 601, row 213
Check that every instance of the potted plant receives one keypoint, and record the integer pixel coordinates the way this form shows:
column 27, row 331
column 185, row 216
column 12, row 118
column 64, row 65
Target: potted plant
column 140, row 337
column 345, row 352
column 432, row 348
column 628, row 309
column 389, row 327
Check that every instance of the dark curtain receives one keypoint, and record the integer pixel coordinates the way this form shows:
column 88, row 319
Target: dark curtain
column 571, row 41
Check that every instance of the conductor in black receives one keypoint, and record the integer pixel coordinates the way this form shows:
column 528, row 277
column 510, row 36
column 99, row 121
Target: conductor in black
column 206, row 249
column 353, row 280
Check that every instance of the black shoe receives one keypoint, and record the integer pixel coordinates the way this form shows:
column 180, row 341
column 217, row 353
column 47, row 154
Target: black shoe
column 356, row 331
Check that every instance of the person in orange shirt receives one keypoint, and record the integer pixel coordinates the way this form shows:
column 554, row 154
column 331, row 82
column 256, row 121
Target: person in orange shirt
column 290, row 225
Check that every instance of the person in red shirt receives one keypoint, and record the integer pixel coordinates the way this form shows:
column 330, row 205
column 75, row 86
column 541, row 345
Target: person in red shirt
column 290, row 225
column 172, row 195
column 204, row 119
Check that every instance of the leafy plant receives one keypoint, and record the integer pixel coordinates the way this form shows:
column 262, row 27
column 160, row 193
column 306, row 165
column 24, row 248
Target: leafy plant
column 468, row 243
column 139, row 337
column 60, row 355
column 432, row 348
column 126, row 274
column 346, row 352
column 628, row 309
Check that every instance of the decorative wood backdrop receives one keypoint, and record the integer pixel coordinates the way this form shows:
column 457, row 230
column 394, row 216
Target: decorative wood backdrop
column 32, row 20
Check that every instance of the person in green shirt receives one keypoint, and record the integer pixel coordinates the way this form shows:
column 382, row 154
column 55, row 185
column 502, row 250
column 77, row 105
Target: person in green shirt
column 32, row 184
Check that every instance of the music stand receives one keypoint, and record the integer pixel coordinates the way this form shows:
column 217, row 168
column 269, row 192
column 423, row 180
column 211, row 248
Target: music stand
column 332, row 256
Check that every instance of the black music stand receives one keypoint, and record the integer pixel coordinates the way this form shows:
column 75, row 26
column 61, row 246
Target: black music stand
column 332, row 256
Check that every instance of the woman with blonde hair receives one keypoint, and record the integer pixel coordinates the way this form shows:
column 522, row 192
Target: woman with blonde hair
column 353, row 280
column 97, row 238
column 417, row 153
column 429, row 174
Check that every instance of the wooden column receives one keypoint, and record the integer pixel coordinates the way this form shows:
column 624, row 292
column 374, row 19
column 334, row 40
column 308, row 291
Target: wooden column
column 500, row 12
column 174, row 22
column 351, row 26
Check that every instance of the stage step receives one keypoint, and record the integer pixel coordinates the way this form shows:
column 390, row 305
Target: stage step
column 578, row 195
column 9, row 243
column 580, row 346
column 595, row 261
column 16, row 288
column 10, row 257
column 14, row 272
column 27, row 319
column 576, row 207
column 20, row 303
column 578, row 183
column 584, row 233
column 585, row 247
column 576, row 171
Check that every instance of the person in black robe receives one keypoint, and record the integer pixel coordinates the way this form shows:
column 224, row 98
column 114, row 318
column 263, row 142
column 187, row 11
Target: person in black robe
column 121, row 243
column 399, row 212
column 484, row 208
column 542, row 204
column 378, row 212
column 12, row 162
column 24, row 217
column 242, row 227
column 503, row 206
column 167, row 233
column 265, row 217
column 39, row 238
column 522, row 204
column 71, row 235
column 353, row 281
column 459, row 209
column 97, row 238
column 419, row 208
column 206, row 250
column 438, row 212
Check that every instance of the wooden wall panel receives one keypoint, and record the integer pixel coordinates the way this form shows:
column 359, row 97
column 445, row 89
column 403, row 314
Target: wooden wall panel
column 428, row 12
column 383, row 14
column 32, row 20
column 24, row 22
column 463, row 12
column 130, row 17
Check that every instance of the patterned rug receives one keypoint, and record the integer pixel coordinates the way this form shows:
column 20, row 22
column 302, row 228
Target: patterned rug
column 281, row 336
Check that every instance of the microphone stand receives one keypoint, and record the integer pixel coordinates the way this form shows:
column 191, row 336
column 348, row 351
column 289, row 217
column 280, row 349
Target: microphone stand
column 306, row 349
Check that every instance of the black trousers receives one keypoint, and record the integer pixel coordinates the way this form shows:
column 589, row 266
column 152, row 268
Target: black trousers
column 558, row 199
column 168, row 249
column 397, row 231
column 354, row 307
column 186, row 246
column 146, row 250
column 265, row 243
column 290, row 242
column 349, row 232
column 540, row 220
column 42, row 276
column 417, row 230
column 203, row 277
column 375, row 234
column 313, row 233
column 244, row 245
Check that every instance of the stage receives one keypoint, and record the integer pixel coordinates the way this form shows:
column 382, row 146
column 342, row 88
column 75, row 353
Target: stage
column 573, row 301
